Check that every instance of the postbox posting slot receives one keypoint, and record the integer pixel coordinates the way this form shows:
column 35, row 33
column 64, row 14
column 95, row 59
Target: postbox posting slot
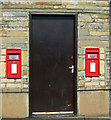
column 13, row 53
column 92, row 53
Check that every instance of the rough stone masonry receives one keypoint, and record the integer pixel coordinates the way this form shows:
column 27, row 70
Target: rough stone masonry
column 93, row 93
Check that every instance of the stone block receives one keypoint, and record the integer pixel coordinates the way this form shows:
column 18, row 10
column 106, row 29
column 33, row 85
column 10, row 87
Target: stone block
column 25, row 68
column 99, row 16
column 21, row 45
column 15, row 105
column 87, row 79
column 102, row 3
column 25, row 57
column 42, row 3
column 108, row 74
column 25, row 81
column 59, row 7
column 93, row 103
column 102, row 20
column 16, row 33
column 72, row 7
column 107, row 53
column 102, row 50
column 25, row 86
column 95, row 79
column 25, row 72
column 95, row 25
column 81, row 56
column 81, row 77
column 96, row 8
column 13, row 85
column 6, row 45
column 83, row 32
column 56, row 3
column 102, row 67
column 20, row 28
column 102, row 56
column 107, row 83
column 31, row 7
column 1, row 106
column 81, row 65
column 89, row 38
column 14, row 14
column 24, row 49
column 2, row 86
column 102, row 83
column 6, row 6
column 81, row 83
column 3, row 51
column 104, row 38
column 81, row 73
column 66, row 3
column 1, row 40
column 82, row 3
column 99, row 33
column 18, row 24
column 3, row 69
column 25, row 90
column 13, row 40
column 14, row 18
column 89, row 84
column 18, row 80
column 7, row 80
column 106, row 28
column 2, row 35
column 85, row 18
column 3, row 58
column 81, row 51
column 93, row 43
column 101, row 78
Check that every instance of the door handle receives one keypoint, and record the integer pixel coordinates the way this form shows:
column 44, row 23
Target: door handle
column 72, row 68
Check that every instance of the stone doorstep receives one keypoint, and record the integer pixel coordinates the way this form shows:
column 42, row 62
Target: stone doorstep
column 48, row 117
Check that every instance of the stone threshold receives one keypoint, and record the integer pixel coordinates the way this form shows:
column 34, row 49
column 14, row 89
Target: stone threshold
column 59, row 117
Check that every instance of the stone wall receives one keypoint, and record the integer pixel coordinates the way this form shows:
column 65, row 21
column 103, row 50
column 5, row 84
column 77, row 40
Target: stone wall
column 15, row 35
column 93, row 31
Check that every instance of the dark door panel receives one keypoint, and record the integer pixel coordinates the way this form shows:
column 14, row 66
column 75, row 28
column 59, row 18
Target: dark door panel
column 52, row 48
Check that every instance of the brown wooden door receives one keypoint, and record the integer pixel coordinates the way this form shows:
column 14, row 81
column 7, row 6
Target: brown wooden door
column 51, row 54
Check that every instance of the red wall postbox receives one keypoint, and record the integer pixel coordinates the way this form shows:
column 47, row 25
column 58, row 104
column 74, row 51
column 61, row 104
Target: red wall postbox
column 92, row 62
column 13, row 63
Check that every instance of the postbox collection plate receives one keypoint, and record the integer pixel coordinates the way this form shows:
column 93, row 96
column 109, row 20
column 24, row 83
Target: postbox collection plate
column 13, row 57
column 92, row 56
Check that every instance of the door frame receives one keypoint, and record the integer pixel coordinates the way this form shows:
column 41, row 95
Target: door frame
column 74, row 53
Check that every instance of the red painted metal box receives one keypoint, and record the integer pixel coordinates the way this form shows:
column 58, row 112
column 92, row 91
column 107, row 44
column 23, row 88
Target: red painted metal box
column 13, row 63
column 92, row 62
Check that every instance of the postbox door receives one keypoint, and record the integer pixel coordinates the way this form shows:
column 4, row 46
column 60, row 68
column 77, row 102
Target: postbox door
column 13, row 69
column 92, row 68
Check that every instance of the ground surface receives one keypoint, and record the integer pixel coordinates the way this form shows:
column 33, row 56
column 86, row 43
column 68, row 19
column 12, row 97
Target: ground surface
column 59, row 117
